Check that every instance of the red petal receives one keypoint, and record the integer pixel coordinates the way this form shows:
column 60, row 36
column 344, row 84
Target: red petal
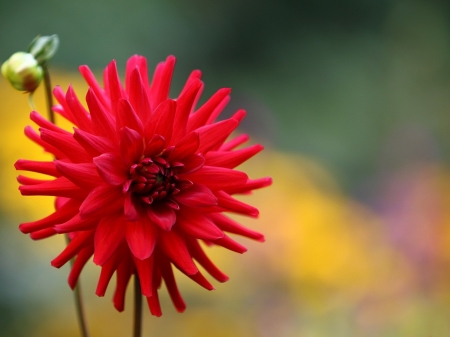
column 94, row 145
column 171, row 285
column 82, row 175
column 114, row 86
column 111, row 168
column 162, row 84
column 196, row 224
column 212, row 136
column 201, row 116
column 102, row 121
column 109, row 233
column 185, row 104
column 230, row 244
column 102, row 201
column 196, row 196
column 82, row 117
column 141, row 237
column 94, row 86
column 199, row 255
column 42, row 234
column 67, row 144
column 60, row 187
column 153, row 304
column 145, row 272
column 188, row 145
column 162, row 215
column 83, row 256
column 235, row 142
column 44, row 167
column 131, row 146
column 228, row 225
column 173, row 245
column 192, row 163
column 138, row 94
column 81, row 240
column 123, row 275
column 201, row 280
column 33, row 136
column 76, row 224
column 250, row 185
column 63, row 109
column 108, row 270
column 62, row 214
column 231, row 159
column 233, row 205
column 127, row 117
column 130, row 211
column 217, row 178
column 155, row 146
column 42, row 122
column 161, row 120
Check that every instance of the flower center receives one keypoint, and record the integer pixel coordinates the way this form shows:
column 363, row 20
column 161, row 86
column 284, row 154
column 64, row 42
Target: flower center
column 153, row 179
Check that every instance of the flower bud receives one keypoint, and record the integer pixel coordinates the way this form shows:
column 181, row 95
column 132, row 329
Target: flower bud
column 22, row 71
column 43, row 48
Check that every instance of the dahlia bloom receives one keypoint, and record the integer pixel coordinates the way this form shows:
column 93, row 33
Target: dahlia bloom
column 141, row 180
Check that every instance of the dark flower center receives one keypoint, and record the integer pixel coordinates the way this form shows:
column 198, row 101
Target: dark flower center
column 153, row 179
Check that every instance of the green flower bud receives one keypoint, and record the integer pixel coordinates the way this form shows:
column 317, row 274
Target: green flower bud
column 44, row 48
column 22, row 71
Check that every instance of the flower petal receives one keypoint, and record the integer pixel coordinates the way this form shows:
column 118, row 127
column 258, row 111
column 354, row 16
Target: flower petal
column 103, row 122
column 161, row 120
column 138, row 93
column 109, row 233
column 201, row 116
column 174, row 246
column 145, row 272
column 212, row 136
column 131, row 146
column 141, row 237
column 196, row 224
column 102, row 201
column 185, row 104
column 60, row 187
column 94, row 145
column 199, row 255
column 62, row 214
column 111, row 168
column 196, row 196
column 217, row 178
column 231, row 159
column 84, row 175
column 44, row 167
column 127, row 117
column 162, row 215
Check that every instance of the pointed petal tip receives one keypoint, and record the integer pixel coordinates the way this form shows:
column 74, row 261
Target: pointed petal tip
column 261, row 239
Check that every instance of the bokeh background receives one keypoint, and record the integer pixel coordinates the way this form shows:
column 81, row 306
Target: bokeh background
column 351, row 100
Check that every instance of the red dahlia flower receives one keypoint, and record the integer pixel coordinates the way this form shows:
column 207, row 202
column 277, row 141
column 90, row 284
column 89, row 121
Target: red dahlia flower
column 141, row 180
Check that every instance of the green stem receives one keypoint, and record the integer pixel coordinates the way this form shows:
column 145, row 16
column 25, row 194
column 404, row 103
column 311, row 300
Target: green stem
column 77, row 291
column 137, row 323
column 78, row 302
column 48, row 94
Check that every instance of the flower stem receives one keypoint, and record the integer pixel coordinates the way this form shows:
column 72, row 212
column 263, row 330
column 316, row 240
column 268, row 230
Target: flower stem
column 77, row 291
column 78, row 302
column 137, row 323
column 48, row 94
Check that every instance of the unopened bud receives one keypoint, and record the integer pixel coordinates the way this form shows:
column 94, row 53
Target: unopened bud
column 43, row 48
column 22, row 71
